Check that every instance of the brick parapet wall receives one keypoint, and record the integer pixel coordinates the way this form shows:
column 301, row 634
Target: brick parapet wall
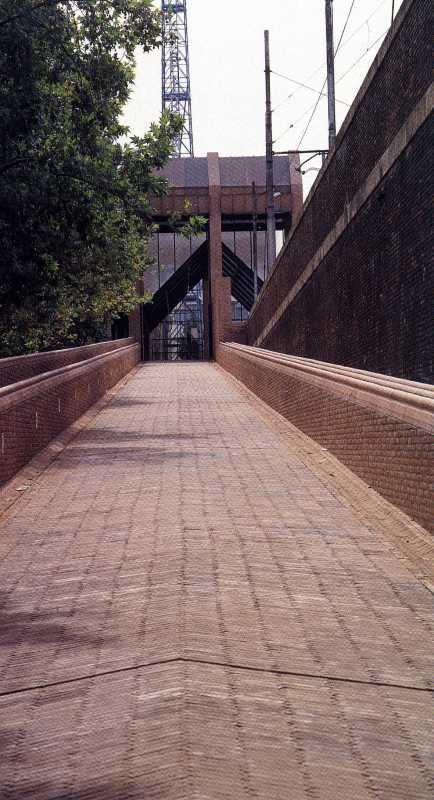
column 235, row 332
column 389, row 447
column 19, row 368
column 365, row 302
column 35, row 410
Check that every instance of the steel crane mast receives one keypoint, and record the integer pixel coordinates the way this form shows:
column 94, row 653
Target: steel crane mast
column 175, row 72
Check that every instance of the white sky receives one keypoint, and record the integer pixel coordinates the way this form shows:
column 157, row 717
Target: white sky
column 227, row 78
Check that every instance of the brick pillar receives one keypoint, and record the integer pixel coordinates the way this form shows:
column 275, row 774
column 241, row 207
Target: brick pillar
column 225, row 309
column 215, row 251
column 207, row 349
column 135, row 322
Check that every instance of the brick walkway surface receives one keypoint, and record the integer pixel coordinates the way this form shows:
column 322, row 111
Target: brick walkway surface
column 190, row 612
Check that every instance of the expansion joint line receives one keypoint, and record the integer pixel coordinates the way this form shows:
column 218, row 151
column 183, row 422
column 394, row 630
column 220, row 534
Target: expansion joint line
column 223, row 664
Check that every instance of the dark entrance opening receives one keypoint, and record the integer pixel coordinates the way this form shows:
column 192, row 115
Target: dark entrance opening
column 180, row 336
column 173, row 322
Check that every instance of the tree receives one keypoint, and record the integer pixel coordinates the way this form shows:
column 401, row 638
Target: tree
column 75, row 209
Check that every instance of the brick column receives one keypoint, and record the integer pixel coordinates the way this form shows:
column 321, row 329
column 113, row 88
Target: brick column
column 215, row 251
column 135, row 323
column 207, row 349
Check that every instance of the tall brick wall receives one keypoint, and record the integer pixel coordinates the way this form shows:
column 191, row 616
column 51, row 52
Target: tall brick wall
column 35, row 410
column 391, row 454
column 366, row 303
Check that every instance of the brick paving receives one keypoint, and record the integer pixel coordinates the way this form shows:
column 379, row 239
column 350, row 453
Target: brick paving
column 190, row 611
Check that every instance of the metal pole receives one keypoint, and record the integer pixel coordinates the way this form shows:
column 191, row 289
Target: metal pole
column 393, row 10
column 271, row 220
column 255, row 241
column 330, row 73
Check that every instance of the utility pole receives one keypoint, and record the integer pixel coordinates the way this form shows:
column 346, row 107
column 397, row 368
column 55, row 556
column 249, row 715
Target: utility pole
column 255, row 241
column 271, row 219
column 330, row 73
column 393, row 10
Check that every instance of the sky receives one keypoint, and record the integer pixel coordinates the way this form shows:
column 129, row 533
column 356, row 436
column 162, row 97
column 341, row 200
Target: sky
column 226, row 40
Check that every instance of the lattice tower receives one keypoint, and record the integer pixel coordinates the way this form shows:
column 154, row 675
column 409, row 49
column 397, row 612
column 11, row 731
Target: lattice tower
column 175, row 73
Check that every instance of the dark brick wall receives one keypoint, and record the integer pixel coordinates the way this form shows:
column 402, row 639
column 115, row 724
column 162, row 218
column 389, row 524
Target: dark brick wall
column 391, row 456
column 19, row 368
column 31, row 417
column 367, row 305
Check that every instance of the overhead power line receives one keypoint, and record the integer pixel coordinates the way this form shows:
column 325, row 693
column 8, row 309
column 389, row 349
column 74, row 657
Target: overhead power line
column 305, row 86
column 311, row 116
column 302, row 116
column 318, row 69
column 344, row 28
column 362, row 56
column 343, row 45
column 315, row 106
column 325, row 81
column 362, row 25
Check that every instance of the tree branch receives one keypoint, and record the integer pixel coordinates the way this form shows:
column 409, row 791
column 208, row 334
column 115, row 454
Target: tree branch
column 41, row 4
column 14, row 162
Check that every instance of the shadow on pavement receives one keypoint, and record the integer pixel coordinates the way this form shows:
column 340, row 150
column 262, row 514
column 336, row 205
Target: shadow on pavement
column 38, row 628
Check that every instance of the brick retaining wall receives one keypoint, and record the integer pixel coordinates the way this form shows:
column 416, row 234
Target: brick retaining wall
column 18, row 368
column 35, row 410
column 378, row 427
column 353, row 282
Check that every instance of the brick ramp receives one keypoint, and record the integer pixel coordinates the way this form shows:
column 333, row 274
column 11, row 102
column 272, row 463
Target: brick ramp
column 191, row 611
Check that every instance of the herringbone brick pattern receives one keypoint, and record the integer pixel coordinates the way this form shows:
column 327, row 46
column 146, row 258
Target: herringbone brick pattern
column 189, row 611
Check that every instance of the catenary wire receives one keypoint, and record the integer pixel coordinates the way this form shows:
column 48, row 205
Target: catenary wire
column 362, row 56
column 325, row 81
column 299, row 119
column 305, row 86
column 315, row 106
column 343, row 45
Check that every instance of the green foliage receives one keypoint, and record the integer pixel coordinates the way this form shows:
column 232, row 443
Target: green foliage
column 75, row 212
column 193, row 227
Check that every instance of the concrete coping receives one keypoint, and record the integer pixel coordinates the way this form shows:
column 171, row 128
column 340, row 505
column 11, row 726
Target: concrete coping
column 407, row 400
column 17, row 392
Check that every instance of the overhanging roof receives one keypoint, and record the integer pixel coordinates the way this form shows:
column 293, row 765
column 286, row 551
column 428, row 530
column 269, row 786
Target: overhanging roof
column 189, row 190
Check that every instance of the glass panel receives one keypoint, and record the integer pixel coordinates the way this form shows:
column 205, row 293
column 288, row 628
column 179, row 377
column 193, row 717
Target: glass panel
column 180, row 336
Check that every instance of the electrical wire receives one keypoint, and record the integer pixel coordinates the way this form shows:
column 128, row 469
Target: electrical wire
column 362, row 25
column 325, row 81
column 343, row 45
column 299, row 119
column 318, row 69
column 344, row 28
column 305, row 86
column 322, row 87
column 362, row 56
column 311, row 116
